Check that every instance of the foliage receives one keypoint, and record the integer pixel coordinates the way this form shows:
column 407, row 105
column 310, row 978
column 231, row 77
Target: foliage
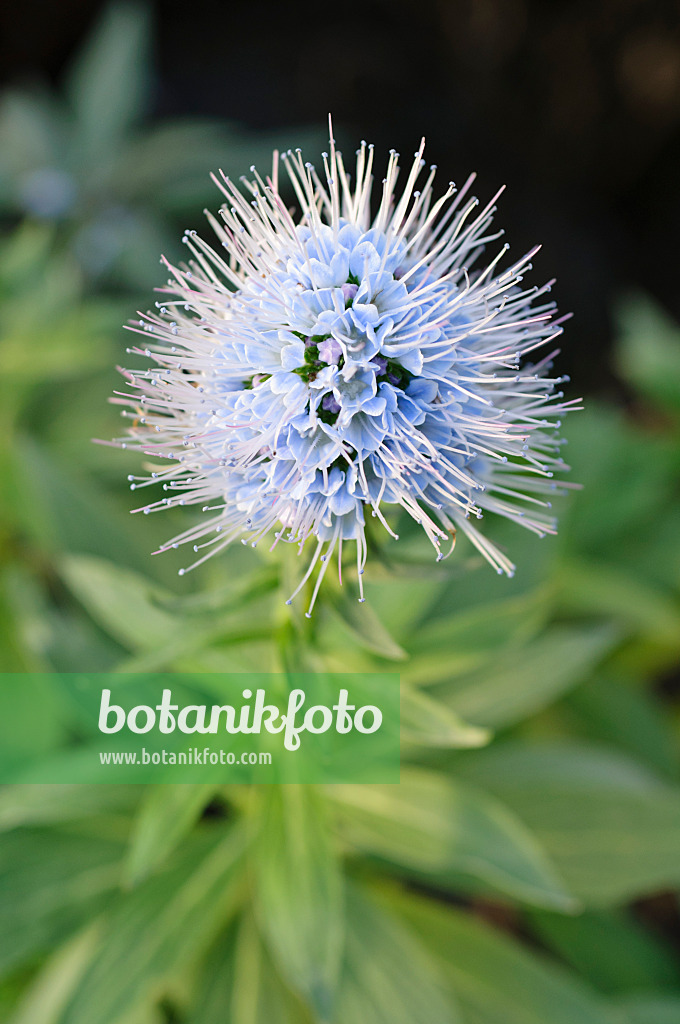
column 89, row 161
column 523, row 872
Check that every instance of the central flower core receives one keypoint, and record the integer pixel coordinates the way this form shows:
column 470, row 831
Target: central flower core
column 348, row 320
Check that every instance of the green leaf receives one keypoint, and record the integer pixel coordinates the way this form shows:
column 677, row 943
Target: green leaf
column 161, row 926
column 108, row 83
column 213, row 996
column 47, row 804
column 436, row 827
column 655, row 553
column 495, row 980
column 30, row 130
column 126, row 604
column 655, row 1008
column 165, row 817
column 528, row 679
column 611, row 827
column 298, row 892
column 427, row 722
column 48, row 993
column 618, row 710
column 51, row 882
column 16, row 654
column 609, row 949
column 361, row 623
column 71, row 346
column 168, row 166
column 239, row 983
column 61, row 512
column 397, row 602
column 606, row 519
column 484, row 629
column 648, row 352
column 594, row 588
column 134, row 610
column 388, row 978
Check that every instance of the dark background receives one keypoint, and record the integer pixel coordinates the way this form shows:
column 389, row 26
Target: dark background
column 575, row 106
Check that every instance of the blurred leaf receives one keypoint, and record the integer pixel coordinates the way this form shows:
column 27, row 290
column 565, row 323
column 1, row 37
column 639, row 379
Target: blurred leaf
column 31, row 718
column 398, row 602
column 527, row 679
column 22, row 251
column 655, row 1008
column 388, row 977
column 134, row 610
column 47, row 995
column 159, row 927
column 27, row 622
column 477, row 587
column 611, row 827
column 497, row 981
column 648, row 351
column 51, row 882
column 170, row 164
column 71, row 346
column 30, row 130
column 212, row 1001
column 617, row 710
column 126, row 604
column 60, row 511
column 607, row 519
column 15, row 654
column 239, row 984
column 595, row 589
column 437, row 827
column 166, row 815
column 610, row 950
column 427, row 722
column 444, row 648
column 47, row 804
column 486, row 628
column 298, row 892
column 655, row 553
column 108, row 82
column 361, row 622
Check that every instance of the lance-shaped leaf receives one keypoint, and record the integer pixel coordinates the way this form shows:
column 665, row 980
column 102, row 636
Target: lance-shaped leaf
column 495, row 979
column 165, row 923
column 429, row 723
column 239, row 983
column 610, row 949
column 298, row 892
column 108, row 83
column 611, row 826
column 47, row 804
column 165, row 817
column 51, row 882
column 651, row 1008
column 388, row 977
column 436, row 828
column 362, row 624
column 526, row 680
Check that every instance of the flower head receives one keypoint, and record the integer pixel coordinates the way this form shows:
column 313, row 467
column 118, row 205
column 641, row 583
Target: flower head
column 337, row 365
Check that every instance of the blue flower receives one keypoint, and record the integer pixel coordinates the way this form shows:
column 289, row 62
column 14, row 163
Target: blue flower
column 346, row 364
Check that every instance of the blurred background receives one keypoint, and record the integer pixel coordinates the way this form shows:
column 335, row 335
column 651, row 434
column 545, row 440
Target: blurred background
column 574, row 105
column 532, row 880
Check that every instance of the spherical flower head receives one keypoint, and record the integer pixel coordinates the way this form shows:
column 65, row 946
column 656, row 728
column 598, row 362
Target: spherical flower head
column 345, row 363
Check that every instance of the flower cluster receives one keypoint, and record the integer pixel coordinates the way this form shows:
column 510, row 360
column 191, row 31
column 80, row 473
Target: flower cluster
column 323, row 369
